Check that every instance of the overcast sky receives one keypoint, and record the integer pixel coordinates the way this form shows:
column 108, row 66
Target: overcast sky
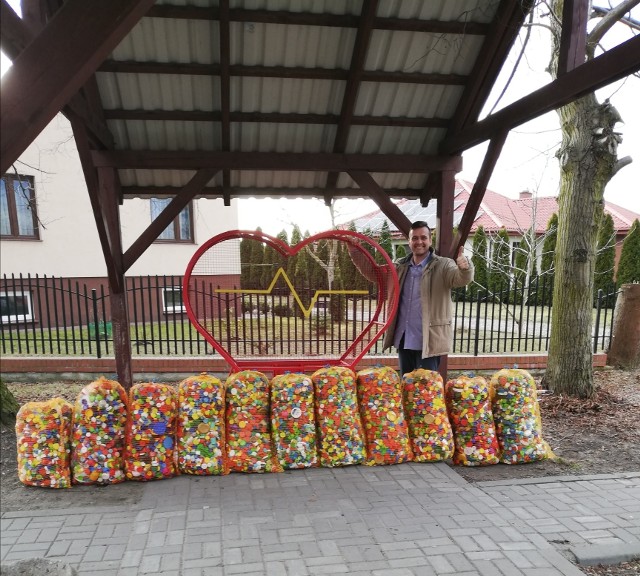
column 527, row 161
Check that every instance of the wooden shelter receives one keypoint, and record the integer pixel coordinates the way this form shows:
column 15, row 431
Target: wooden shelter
column 287, row 98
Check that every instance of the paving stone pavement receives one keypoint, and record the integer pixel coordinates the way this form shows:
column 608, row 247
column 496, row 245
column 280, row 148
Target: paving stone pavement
column 404, row 520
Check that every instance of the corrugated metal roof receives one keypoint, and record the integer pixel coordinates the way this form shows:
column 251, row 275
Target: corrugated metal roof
column 325, row 50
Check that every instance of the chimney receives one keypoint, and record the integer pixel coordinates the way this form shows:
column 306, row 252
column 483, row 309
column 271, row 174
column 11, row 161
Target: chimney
column 525, row 194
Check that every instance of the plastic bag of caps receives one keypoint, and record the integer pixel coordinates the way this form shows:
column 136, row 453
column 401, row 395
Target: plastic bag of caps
column 340, row 435
column 474, row 433
column 151, row 428
column 385, row 428
column 516, row 413
column 43, row 431
column 248, row 423
column 200, row 429
column 99, row 424
column 293, row 420
column 426, row 411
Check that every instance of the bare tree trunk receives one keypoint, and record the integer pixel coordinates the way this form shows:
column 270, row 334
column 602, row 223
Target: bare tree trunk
column 587, row 162
column 585, row 170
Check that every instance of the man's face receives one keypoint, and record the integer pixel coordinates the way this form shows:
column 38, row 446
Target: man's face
column 420, row 242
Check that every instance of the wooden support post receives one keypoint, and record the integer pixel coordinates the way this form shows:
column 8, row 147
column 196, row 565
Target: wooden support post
column 444, row 214
column 444, row 232
column 624, row 351
column 109, row 215
column 121, row 337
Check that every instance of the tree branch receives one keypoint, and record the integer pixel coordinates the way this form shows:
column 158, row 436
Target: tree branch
column 621, row 163
column 611, row 16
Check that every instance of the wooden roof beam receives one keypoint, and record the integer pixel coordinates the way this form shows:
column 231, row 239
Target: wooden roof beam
column 17, row 34
column 614, row 64
column 225, row 93
column 371, row 188
column 478, row 191
column 296, row 72
column 235, row 192
column 496, row 47
column 573, row 43
column 292, row 161
column 76, row 41
column 275, row 117
column 315, row 19
column 358, row 58
column 170, row 212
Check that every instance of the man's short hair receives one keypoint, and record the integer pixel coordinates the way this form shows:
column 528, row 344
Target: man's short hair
column 420, row 224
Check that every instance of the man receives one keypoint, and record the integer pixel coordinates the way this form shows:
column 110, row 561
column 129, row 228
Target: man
column 422, row 329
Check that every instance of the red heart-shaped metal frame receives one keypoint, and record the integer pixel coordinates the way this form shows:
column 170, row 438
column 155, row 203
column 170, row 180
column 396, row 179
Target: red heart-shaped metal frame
column 387, row 302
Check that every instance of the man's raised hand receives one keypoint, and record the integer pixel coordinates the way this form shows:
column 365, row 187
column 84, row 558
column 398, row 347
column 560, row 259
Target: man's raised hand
column 462, row 261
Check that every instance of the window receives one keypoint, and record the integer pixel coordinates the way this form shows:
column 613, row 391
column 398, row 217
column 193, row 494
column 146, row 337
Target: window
column 172, row 300
column 514, row 252
column 180, row 230
column 18, row 208
column 16, row 307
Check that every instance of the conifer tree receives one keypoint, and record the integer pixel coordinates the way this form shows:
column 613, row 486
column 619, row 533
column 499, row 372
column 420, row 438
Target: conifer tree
column 349, row 270
column 303, row 281
column 545, row 284
column 605, row 257
column 629, row 265
column 385, row 241
column 499, row 275
column 549, row 245
column 269, row 267
column 256, row 260
column 280, row 260
column 479, row 259
column 520, row 262
column 296, row 238
column 245, row 262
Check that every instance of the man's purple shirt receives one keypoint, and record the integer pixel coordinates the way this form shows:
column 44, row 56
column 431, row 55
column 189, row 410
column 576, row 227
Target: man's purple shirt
column 409, row 321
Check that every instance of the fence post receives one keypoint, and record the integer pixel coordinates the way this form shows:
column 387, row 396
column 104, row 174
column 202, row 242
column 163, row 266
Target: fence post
column 477, row 336
column 94, row 302
column 597, row 327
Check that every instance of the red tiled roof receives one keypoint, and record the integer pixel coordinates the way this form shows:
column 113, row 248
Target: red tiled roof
column 498, row 211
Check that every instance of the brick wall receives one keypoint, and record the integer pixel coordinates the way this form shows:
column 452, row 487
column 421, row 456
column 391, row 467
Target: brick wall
column 195, row 365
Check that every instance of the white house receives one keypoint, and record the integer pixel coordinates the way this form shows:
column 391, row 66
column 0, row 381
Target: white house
column 48, row 227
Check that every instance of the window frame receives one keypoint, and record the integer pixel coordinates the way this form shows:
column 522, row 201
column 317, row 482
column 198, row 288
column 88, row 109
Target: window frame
column 18, row 318
column 515, row 246
column 14, row 225
column 175, row 224
column 172, row 309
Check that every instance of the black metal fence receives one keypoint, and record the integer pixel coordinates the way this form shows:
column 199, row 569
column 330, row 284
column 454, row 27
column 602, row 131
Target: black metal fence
column 58, row 316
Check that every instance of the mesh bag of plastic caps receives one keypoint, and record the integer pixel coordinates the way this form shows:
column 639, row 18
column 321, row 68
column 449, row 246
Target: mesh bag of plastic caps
column 516, row 413
column 248, row 424
column 339, row 426
column 99, row 423
column 150, row 436
column 293, row 421
column 201, row 448
column 385, row 428
column 474, row 433
column 426, row 412
column 43, row 431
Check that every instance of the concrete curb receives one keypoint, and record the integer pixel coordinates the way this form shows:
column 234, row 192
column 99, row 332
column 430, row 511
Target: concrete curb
column 606, row 554
column 555, row 479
